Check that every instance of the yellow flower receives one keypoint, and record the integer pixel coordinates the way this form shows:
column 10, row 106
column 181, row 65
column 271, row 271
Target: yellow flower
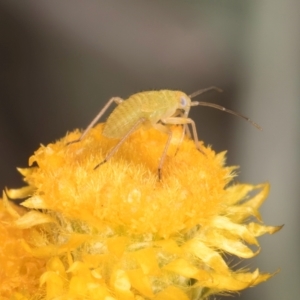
column 117, row 232
column 19, row 270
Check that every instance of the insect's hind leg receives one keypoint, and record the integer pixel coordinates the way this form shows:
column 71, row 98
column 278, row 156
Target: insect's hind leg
column 123, row 139
column 117, row 100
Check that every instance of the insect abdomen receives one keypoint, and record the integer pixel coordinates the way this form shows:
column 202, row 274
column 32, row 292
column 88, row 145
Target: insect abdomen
column 151, row 106
column 122, row 119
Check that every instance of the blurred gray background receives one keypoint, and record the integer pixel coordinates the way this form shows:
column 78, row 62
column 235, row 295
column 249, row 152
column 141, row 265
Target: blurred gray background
column 60, row 61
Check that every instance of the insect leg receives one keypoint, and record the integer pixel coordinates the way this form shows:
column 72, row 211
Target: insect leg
column 186, row 128
column 185, row 131
column 166, row 130
column 123, row 139
column 185, row 121
column 117, row 100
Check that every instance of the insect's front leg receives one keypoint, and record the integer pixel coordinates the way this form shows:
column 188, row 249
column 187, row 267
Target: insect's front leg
column 185, row 121
column 117, row 100
column 185, row 129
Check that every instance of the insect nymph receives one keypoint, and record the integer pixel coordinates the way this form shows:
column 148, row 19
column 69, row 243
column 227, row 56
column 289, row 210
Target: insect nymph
column 156, row 109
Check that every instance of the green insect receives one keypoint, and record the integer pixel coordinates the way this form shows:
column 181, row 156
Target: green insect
column 155, row 109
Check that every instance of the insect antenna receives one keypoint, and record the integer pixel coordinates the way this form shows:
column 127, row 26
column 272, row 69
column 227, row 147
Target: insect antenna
column 213, row 105
column 199, row 92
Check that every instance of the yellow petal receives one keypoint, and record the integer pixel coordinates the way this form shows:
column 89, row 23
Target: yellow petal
column 147, row 260
column 224, row 241
column 240, row 213
column 117, row 245
column 23, row 192
column 258, row 199
column 26, row 171
column 74, row 241
column 55, row 264
column 40, row 252
column 235, row 282
column 10, row 208
column 238, row 192
column 240, row 231
column 79, row 268
column 121, row 285
column 35, row 202
column 140, row 282
column 33, row 218
column 78, row 286
column 258, row 229
column 210, row 257
column 263, row 277
column 182, row 267
column 169, row 246
column 171, row 293
column 54, row 284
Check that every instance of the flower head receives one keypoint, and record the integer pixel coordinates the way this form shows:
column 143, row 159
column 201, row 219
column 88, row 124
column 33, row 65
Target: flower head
column 117, row 232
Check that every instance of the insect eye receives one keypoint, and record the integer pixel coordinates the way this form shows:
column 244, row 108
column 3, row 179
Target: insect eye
column 183, row 101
